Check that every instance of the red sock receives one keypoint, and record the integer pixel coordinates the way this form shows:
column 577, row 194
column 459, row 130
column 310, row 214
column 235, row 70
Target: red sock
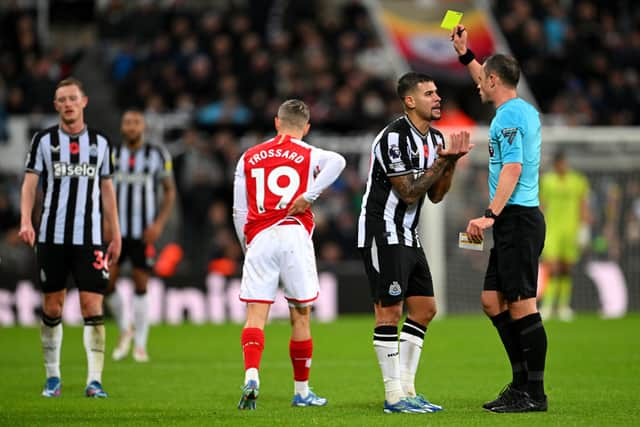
column 252, row 346
column 300, row 352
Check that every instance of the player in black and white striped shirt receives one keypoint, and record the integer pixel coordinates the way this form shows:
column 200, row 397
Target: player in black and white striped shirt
column 139, row 167
column 74, row 163
column 408, row 161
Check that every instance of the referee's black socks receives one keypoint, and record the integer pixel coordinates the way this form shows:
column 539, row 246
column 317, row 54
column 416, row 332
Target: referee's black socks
column 510, row 337
column 533, row 339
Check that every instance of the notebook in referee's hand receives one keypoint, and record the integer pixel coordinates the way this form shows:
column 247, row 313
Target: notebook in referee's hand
column 465, row 243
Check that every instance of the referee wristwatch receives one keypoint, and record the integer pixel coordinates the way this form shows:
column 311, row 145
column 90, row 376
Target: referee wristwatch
column 488, row 213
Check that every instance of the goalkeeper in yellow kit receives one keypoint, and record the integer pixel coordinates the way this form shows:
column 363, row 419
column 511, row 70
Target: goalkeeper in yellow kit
column 564, row 200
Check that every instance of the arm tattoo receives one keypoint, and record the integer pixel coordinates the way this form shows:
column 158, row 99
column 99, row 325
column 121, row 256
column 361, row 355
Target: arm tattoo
column 411, row 189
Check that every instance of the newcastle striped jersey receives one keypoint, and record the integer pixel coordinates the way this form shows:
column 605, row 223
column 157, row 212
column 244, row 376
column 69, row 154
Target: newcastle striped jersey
column 137, row 173
column 71, row 167
column 399, row 149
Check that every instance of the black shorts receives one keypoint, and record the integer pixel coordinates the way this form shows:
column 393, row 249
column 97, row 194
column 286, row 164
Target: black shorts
column 396, row 272
column 518, row 236
column 86, row 264
column 141, row 255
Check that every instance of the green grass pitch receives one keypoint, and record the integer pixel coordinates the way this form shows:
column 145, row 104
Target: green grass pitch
column 194, row 377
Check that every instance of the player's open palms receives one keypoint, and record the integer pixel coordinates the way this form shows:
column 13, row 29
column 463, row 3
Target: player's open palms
column 459, row 145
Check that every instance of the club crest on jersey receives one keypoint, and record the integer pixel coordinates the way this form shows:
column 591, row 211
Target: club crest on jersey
column 93, row 150
column 395, row 289
column 394, row 152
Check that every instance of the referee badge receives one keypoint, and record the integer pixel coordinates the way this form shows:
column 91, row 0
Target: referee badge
column 395, row 289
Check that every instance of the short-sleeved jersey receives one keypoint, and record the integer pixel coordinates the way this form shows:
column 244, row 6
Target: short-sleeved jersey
column 71, row 167
column 136, row 177
column 399, row 149
column 514, row 137
column 275, row 173
column 561, row 197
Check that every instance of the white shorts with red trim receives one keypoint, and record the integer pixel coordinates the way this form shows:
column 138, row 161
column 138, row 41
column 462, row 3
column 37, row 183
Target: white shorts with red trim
column 280, row 253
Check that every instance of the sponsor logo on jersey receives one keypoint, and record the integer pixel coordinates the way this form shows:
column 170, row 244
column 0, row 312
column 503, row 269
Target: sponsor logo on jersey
column 509, row 134
column 395, row 289
column 74, row 170
column 131, row 178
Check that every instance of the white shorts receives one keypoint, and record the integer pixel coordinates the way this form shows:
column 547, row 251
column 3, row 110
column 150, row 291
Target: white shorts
column 282, row 252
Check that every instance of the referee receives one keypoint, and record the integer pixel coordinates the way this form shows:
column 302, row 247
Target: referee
column 509, row 295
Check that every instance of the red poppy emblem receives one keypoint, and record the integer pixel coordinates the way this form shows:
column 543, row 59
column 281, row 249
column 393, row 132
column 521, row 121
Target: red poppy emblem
column 426, row 151
column 74, row 148
column 132, row 162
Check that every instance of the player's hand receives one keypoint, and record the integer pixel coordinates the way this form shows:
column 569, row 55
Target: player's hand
column 299, row 206
column 476, row 227
column 152, row 233
column 458, row 146
column 459, row 38
column 27, row 234
column 113, row 250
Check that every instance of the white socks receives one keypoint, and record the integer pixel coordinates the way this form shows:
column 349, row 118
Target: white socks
column 114, row 301
column 411, row 340
column 94, row 343
column 251, row 374
column 385, row 344
column 301, row 388
column 141, row 320
column 51, row 338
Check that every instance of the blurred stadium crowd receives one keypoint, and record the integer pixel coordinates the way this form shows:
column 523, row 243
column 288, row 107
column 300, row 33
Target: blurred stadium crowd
column 226, row 70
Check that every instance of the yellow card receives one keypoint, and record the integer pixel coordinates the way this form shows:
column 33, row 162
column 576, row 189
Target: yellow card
column 451, row 19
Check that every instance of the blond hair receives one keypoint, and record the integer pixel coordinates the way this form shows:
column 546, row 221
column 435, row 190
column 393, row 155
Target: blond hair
column 294, row 113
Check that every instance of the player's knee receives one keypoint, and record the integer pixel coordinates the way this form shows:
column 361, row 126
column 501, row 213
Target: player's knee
column 90, row 307
column 52, row 306
column 52, row 311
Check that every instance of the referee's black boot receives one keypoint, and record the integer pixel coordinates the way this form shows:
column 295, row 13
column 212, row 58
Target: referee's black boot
column 508, row 395
column 524, row 403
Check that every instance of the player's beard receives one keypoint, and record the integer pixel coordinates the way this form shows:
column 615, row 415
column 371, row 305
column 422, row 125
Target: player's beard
column 133, row 140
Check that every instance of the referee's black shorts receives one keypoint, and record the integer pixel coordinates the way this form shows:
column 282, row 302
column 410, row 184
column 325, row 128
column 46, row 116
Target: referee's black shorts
column 396, row 272
column 518, row 236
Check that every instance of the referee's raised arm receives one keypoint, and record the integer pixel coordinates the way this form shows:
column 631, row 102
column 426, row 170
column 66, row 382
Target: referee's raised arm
column 465, row 55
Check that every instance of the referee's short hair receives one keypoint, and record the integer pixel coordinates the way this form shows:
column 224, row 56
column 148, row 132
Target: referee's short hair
column 294, row 113
column 70, row 81
column 504, row 66
column 409, row 81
